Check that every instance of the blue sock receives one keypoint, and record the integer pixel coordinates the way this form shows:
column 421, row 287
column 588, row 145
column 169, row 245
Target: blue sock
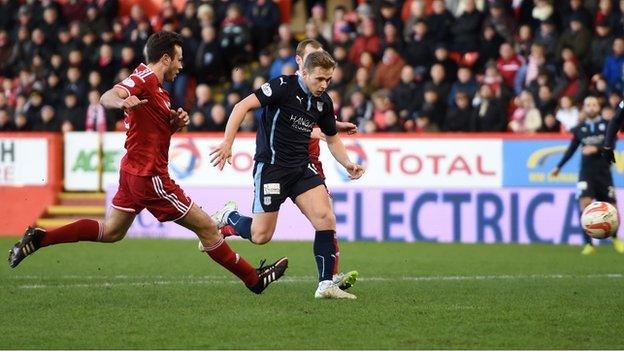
column 242, row 224
column 325, row 253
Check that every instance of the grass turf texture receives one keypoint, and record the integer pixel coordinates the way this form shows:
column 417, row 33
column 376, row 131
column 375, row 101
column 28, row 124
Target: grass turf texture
column 166, row 294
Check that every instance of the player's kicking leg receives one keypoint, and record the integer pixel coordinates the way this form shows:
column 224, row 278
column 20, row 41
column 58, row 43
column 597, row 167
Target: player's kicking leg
column 215, row 246
column 259, row 229
column 112, row 230
column 228, row 219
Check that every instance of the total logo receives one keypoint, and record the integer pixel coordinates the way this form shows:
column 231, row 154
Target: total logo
column 356, row 154
column 184, row 159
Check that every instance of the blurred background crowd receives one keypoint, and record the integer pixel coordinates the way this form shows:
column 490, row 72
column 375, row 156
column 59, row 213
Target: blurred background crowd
column 521, row 66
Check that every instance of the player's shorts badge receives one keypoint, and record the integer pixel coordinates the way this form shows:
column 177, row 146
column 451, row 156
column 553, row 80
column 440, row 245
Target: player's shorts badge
column 267, row 200
column 272, row 189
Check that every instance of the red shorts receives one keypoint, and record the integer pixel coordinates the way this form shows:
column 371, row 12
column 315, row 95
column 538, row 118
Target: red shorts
column 159, row 194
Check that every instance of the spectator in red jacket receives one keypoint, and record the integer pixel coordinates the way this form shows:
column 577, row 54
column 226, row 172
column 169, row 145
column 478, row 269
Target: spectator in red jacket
column 508, row 64
column 388, row 70
column 367, row 41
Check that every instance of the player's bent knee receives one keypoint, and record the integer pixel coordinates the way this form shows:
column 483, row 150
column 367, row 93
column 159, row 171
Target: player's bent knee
column 261, row 238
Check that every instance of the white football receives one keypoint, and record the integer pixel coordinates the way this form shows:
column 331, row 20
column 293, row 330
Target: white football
column 600, row 220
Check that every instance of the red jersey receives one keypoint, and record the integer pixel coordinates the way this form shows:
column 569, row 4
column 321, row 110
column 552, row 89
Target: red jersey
column 149, row 126
column 509, row 68
column 315, row 151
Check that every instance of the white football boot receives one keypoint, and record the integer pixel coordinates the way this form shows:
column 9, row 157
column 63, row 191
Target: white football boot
column 220, row 217
column 327, row 289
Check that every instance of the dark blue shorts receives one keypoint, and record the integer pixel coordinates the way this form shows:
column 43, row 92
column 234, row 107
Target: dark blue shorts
column 273, row 184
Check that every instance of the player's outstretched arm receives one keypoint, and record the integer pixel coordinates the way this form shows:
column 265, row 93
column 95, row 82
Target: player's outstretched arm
column 615, row 124
column 338, row 150
column 117, row 98
column 574, row 144
column 223, row 152
column 346, row 127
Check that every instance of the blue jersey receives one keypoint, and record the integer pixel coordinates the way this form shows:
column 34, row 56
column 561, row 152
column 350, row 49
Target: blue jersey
column 290, row 112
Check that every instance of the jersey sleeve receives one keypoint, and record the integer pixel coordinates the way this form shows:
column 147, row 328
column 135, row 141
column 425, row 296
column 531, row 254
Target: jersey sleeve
column 327, row 121
column 574, row 144
column 273, row 91
column 615, row 124
column 133, row 85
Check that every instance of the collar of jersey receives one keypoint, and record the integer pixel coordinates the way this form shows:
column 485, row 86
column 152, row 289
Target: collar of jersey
column 302, row 85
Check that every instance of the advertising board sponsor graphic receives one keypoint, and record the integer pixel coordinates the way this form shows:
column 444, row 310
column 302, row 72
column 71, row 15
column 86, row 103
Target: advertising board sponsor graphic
column 23, row 161
column 423, row 163
column 81, row 161
column 528, row 163
column 517, row 215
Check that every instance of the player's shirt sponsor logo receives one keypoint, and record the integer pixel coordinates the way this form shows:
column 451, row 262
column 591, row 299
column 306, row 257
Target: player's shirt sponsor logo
column 301, row 124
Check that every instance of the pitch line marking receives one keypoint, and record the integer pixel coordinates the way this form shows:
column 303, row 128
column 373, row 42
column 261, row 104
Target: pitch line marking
column 201, row 280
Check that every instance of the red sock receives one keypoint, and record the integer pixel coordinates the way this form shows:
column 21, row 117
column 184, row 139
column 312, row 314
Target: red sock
column 228, row 230
column 335, row 268
column 233, row 262
column 82, row 230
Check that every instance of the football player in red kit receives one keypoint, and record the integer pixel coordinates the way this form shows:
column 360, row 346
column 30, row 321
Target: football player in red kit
column 144, row 182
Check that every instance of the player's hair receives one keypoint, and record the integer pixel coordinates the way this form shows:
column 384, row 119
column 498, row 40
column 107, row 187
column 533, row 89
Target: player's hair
column 300, row 51
column 319, row 59
column 592, row 96
column 161, row 43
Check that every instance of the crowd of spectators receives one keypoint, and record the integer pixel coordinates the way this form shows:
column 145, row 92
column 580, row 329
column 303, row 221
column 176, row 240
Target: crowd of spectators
column 403, row 66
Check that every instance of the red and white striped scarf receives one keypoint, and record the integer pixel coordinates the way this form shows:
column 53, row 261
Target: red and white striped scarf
column 96, row 118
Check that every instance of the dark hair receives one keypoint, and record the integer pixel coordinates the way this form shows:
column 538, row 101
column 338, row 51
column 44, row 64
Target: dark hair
column 161, row 43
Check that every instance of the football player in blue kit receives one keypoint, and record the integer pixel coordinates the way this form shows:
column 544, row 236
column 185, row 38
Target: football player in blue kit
column 292, row 106
column 595, row 181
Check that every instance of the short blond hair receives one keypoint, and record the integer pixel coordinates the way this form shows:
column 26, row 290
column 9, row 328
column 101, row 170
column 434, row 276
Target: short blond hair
column 319, row 59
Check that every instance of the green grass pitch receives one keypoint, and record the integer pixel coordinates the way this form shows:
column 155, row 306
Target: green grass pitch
column 162, row 294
